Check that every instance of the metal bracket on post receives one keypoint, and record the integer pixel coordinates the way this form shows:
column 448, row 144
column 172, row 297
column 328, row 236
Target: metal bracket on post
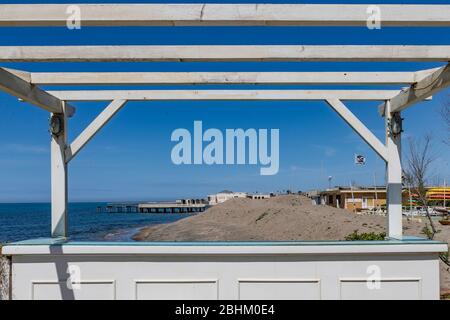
column 56, row 123
column 395, row 122
column 58, row 130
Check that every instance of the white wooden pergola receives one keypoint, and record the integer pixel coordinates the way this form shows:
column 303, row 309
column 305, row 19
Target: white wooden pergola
column 422, row 84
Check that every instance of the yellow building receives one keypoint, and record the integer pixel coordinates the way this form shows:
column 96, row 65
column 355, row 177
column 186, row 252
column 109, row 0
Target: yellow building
column 438, row 193
column 358, row 199
column 355, row 199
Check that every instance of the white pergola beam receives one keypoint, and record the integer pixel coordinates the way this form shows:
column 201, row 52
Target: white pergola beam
column 93, row 128
column 359, row 127
column 421, row 90
column 18, row 84
column 158, row 95
column 299, row 53
column 224, row 14
column 163, row 78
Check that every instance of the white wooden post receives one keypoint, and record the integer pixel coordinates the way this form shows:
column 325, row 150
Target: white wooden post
column 394, row 178
column 59, row 174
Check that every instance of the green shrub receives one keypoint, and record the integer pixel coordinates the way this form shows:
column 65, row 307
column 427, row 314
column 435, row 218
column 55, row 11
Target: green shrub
column 367, row 236
column 427, row 231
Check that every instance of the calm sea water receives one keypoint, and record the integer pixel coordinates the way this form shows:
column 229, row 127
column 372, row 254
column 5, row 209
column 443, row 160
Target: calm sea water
column 21, row 221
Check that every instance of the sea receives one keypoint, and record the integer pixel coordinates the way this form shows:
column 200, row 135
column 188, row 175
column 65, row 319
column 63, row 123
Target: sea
column 24, row 221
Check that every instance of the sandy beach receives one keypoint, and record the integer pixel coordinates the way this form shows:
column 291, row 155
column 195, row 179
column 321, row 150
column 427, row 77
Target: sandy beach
column 290, row 217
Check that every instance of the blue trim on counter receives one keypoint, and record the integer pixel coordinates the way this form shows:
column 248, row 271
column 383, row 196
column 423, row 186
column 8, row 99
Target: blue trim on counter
column 67, row 242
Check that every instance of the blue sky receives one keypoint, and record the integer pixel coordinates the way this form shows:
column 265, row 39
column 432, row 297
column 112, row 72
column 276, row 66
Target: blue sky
column 130, row 158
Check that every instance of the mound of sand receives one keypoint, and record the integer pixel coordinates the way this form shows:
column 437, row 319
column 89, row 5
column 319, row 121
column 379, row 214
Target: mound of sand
column 289, row 217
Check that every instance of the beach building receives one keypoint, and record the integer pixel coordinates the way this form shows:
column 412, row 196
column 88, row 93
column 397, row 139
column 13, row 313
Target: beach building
column 354, row 199
column 192, row 201
column 359, row 199
column 223, row 196
column 439, row 194
column 259, row 196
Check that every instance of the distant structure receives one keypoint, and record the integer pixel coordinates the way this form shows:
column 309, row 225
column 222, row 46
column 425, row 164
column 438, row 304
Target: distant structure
column 223, row 196
column 439, row 193
column 358, row 199
column 170, row 207
column 314, row 195
column 354, row 199
column 192, row 201
column 259, row 196
column 180, row 206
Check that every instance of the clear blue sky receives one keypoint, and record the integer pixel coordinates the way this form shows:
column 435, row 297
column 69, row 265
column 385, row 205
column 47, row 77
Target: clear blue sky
column 130, row 158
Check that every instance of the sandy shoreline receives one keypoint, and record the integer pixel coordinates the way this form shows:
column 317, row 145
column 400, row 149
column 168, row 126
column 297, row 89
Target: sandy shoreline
column 122, row 235
column 280, row 218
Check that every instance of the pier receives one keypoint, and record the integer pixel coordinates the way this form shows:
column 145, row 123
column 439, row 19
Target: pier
column 159, row 207
column 171, row 208
column 119, row 208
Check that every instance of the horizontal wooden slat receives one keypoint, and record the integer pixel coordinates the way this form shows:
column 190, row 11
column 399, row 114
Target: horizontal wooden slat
column 99, row 95
column 161, row 78
column 224, row 14
column 223, row 53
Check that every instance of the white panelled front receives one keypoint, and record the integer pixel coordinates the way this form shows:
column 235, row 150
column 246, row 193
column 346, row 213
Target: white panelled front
column 389, row 289
column 87, row 290
column 176, row 289
column 292, row 289
column 216, row 276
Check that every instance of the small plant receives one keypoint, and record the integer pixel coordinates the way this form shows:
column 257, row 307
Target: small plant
column 444, row 258
column 366, row 236
column 426, row 231
column 445, row 296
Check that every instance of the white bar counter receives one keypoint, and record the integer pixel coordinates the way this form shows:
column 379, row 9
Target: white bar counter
column 60, row 269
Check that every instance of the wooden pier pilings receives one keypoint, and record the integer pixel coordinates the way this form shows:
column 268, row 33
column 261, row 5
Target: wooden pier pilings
column 118, row 208
column 171, row 209
column 161, row 208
